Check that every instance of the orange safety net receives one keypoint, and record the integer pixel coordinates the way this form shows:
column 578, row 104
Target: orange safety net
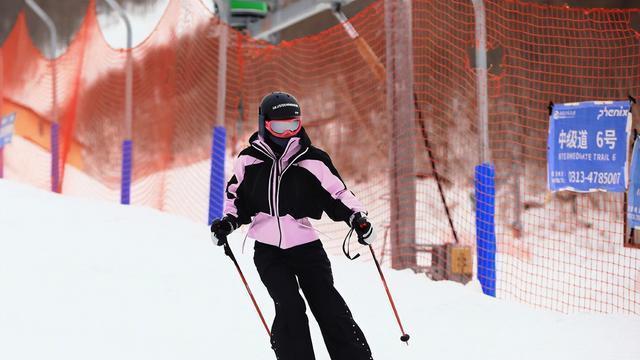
column 560, row 251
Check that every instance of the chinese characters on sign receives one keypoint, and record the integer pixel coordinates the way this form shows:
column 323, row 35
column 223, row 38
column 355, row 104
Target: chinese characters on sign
column 587, row 146
column 6, row 129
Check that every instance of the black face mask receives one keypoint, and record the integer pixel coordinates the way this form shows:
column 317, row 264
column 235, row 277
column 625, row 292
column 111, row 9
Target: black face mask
column 276, row 144
column 279, row 142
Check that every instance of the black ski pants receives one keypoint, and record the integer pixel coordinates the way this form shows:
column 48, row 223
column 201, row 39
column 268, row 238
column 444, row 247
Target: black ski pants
column 290, row 337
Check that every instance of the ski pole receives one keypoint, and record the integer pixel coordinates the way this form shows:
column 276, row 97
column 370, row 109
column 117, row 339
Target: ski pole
column 227, row 251
column 405, row 337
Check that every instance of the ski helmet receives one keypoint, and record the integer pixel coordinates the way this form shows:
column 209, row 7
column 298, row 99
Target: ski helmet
column 279, row 106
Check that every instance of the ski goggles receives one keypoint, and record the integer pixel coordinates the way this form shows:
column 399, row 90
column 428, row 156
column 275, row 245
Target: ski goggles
column 284, row 128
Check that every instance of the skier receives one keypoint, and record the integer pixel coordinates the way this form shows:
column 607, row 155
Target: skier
column 279, row 182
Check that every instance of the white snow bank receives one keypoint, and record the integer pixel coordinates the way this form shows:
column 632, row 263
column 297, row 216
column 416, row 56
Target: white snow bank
column 85, row 279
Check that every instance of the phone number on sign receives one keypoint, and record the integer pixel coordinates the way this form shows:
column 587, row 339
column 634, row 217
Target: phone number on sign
column 594, row 177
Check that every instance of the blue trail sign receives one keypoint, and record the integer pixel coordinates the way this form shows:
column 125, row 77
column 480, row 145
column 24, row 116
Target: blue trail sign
column 6, row 129
column 587, row 146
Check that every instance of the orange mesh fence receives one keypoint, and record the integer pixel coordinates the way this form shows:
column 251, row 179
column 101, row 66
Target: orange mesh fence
column 174, row 95
column 28, row 85
column 562, row 251
column 448, row 135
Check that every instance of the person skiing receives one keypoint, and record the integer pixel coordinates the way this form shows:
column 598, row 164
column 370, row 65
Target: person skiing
column 280, row 181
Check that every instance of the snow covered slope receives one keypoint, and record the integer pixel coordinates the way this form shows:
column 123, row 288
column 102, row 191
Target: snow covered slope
column 83, row 279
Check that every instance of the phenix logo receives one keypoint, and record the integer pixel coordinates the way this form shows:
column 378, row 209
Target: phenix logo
column 564, row 114
column 283, row 105
column 612, row 112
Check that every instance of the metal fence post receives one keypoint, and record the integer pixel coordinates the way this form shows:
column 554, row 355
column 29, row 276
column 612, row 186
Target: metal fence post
column 222, row 62
column 400, row 107
column 55, row 152
column 485, row 172
column 127, row 143
column 481, row 79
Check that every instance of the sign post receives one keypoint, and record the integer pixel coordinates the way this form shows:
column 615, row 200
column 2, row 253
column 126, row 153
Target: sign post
column 633, row 202
column 587, row 146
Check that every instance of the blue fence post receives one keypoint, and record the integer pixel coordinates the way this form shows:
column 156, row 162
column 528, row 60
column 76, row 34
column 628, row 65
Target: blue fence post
column 485, row 227
column 217, row 181
column 55, row 158
column 127, row 164
column 1, row 162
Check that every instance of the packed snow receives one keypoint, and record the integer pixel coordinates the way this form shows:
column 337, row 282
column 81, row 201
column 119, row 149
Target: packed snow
column 87, row 279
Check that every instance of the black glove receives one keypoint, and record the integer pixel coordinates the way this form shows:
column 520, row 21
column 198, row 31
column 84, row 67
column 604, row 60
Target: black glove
column 362, row 227
column 220, row 229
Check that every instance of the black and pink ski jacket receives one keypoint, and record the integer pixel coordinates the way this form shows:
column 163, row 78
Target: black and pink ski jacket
column 278, row 195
